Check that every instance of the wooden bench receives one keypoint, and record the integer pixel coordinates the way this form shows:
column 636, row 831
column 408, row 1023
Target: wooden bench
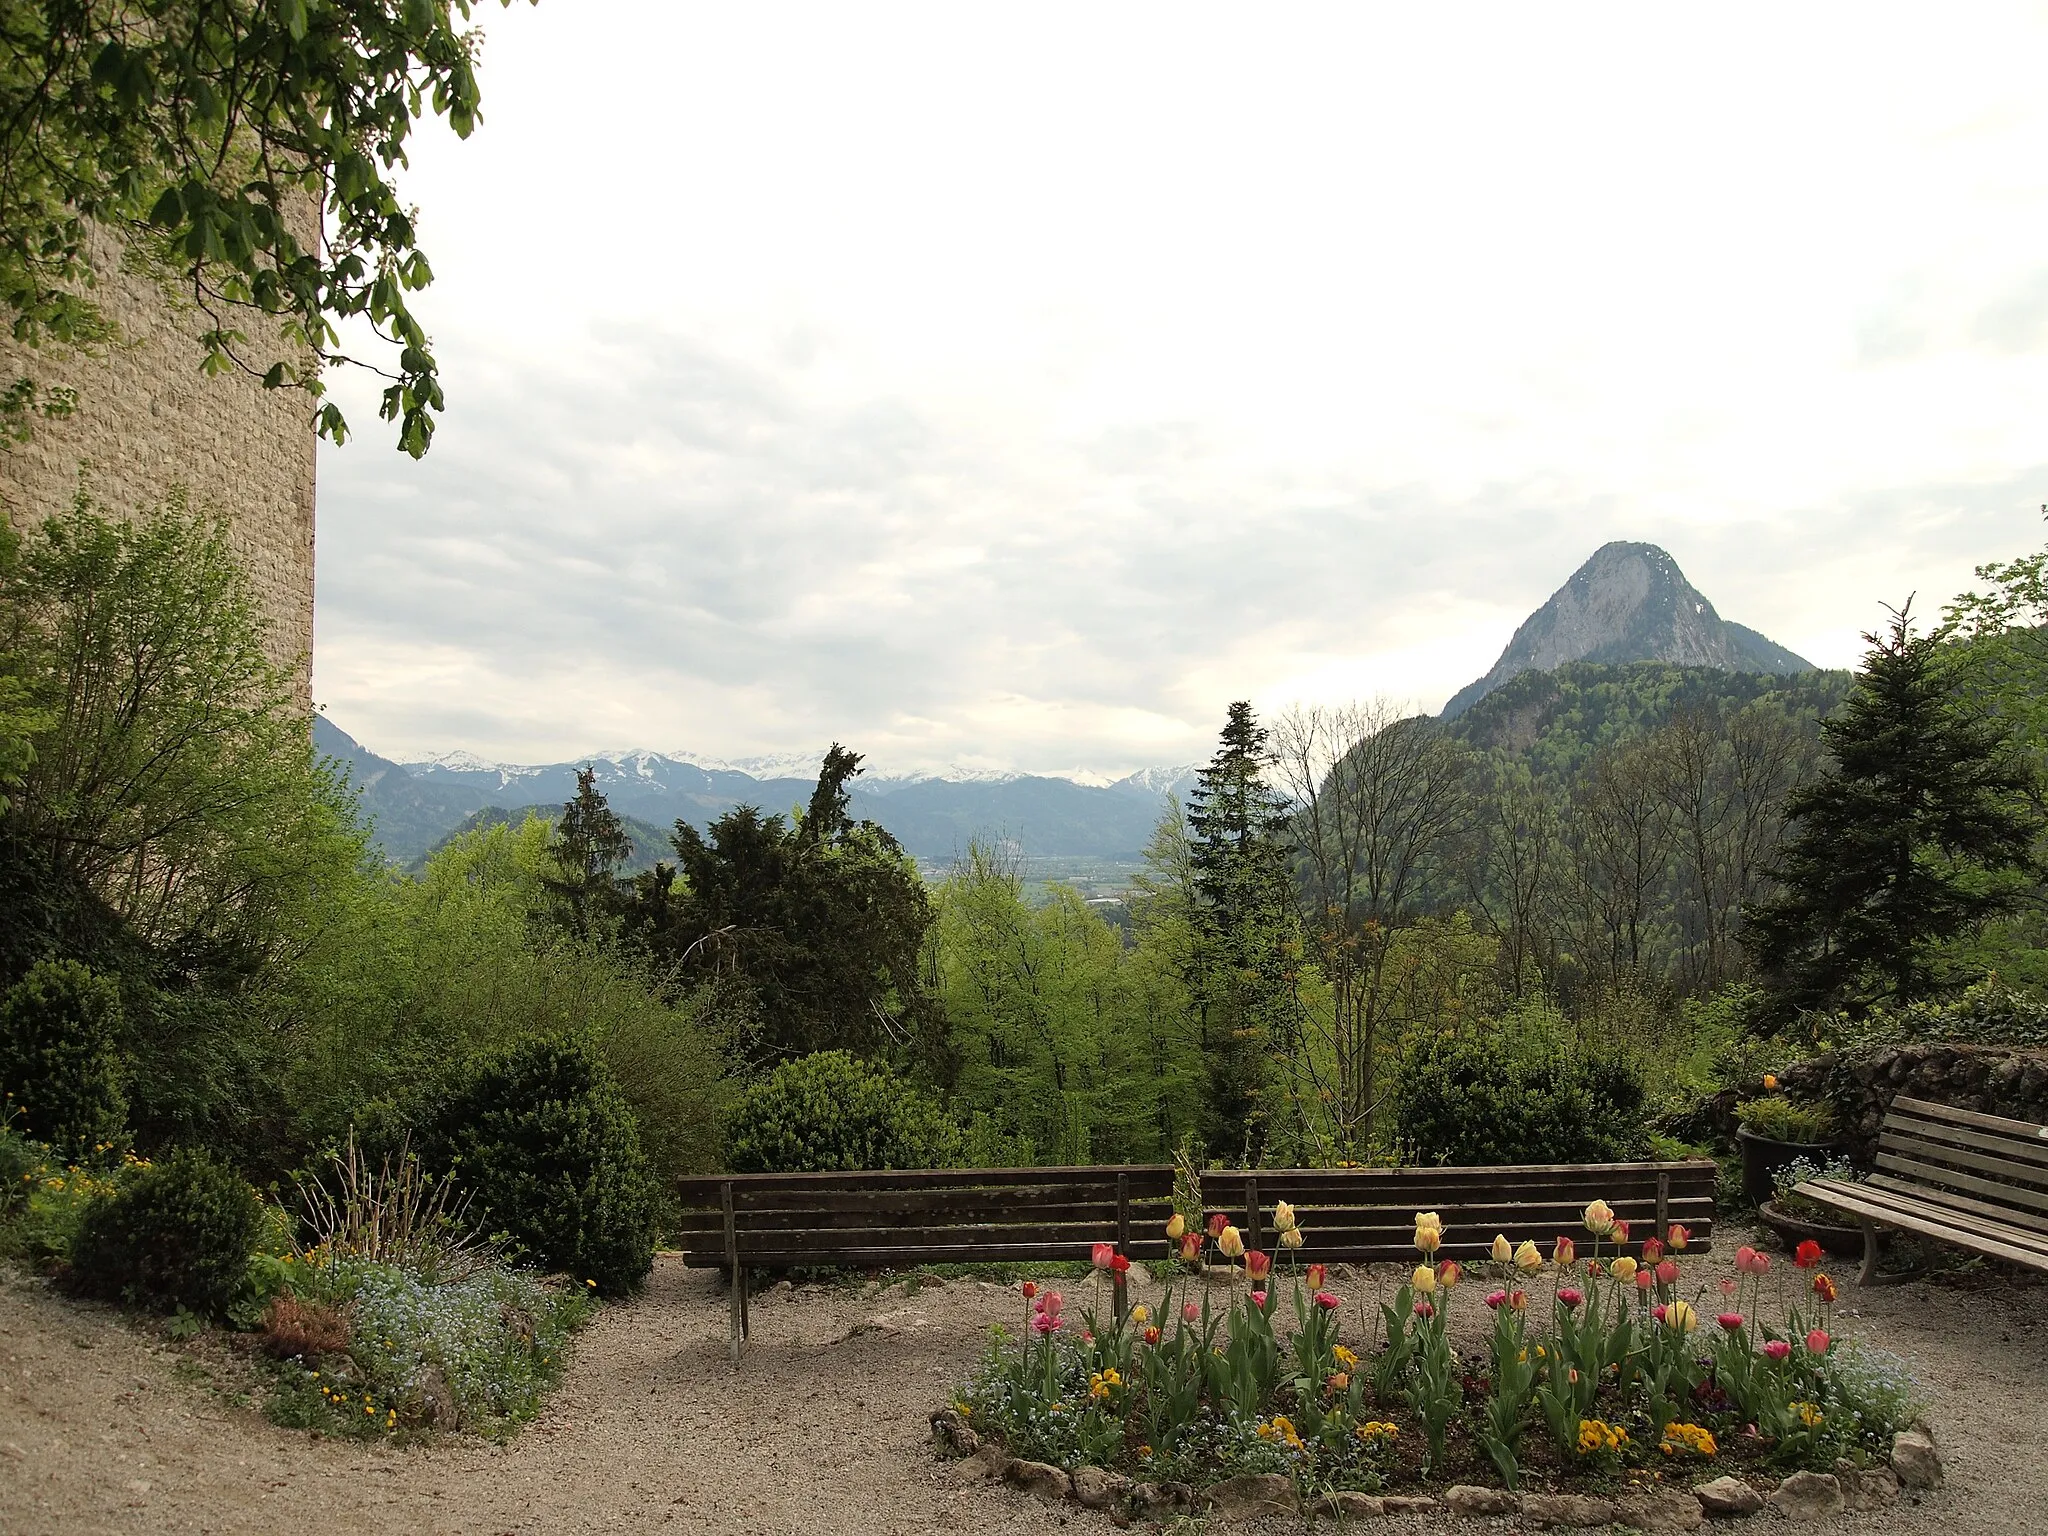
column 1975, row 1181
column 890, row 1220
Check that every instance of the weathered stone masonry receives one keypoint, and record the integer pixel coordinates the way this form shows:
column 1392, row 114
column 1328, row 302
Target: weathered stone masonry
column 149, row 420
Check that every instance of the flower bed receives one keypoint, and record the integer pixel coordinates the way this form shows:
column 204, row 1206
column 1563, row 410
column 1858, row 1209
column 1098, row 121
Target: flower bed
column 1603, row 1365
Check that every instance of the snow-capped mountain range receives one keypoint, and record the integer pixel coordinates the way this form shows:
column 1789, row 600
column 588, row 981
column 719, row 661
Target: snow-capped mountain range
column 934, row 814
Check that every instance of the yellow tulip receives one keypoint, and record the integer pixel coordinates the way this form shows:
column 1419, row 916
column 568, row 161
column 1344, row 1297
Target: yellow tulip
column 1141, row 1314
column 1424, row 1279
column 1502, row 1250
column 1429, row 1219
column 1231, row 1241
column 1623, row 1269
column 1600, row 1217
column 1429, row 1239
column 1680, row 1315
column 1283, row 1217
column 1291, row 1238
column 1176, row 1226
column 1527, row 1259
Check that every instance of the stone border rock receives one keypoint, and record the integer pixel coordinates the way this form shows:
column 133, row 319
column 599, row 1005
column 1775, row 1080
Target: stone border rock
column 1804, row 1496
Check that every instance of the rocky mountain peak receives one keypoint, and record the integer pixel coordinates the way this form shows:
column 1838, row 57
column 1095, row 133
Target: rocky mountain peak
column 1629, row 602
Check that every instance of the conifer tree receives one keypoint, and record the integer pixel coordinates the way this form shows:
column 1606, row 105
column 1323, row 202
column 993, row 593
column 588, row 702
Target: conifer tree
column 590, row 844
column 1245, row 920
column 1922, row 825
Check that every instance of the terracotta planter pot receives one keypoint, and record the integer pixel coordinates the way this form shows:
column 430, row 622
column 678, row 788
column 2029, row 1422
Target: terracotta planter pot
column 1842, row 1242
column 1763, row 1156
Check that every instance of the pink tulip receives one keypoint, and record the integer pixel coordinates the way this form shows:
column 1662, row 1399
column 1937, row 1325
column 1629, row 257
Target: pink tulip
column 1259, row 1300
column 1817, row 1342
column 1730, row 1285
column 1730, row 1320
column 1744, row 1256
column 1190, row 1313
column 1494, row 1299
column 1644, row 1279
column 1105, row 1255
column 1667, row 1273
column 1050, row 1302
column 1044, row 1323
column 1424, row 1309
column 1329, row 1301
column 1569, row 1297
column 1658, row 1311
column 1777, row 1349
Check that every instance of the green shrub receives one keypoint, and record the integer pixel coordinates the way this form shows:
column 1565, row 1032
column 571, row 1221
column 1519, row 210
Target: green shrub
column 545, row 1143
column 60, row 1028
column 1779, row 1119
column 180, row 1233
column 829, row 1113
column 20, row 1161
column 1473, row 1102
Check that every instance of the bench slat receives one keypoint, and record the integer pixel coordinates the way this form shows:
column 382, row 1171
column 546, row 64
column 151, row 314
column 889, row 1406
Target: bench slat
column 2030, row 1158
column 1845, row 1197
column 2024, row 1129
column 2007, row 1171
column 1907, row 1189
column 1955, row 1210
column 1930, row 1173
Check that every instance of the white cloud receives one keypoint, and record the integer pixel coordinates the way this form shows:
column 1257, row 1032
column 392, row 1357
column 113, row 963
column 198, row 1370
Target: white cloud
column 1021, row 385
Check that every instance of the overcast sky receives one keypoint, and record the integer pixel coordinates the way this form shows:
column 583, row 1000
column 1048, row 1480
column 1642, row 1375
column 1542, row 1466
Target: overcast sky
column 1015, row 386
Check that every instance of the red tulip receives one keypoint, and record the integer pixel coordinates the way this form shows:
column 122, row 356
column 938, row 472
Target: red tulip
column 1620, row 1232
column 1152, row 1335
column 1494, row 1299
column 1807, row 1254
column 1191, row 1246
column 1667, row 1273
column 1029, row 1288
column 1119, row 1265
column 1217, row 1223
column 1424, row 1309
column 1658, row 1311
column 1328, row 1302
column 1257, row 1265
column 1652, row 1250
column 1823, row 1287
column 1644, row 1279
column 1567, row 1296
column 1730, row 1320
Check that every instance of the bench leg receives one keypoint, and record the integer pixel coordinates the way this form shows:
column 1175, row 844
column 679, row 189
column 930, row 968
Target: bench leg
column 738, row 1300
column 1868, row 1274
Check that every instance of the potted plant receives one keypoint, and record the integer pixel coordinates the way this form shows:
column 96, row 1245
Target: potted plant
column 1773, row 1132
column 1797, row 1220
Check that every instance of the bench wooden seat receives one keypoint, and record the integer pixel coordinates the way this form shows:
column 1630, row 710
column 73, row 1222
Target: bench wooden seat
column 1036, row 1215
column 1974, row 1181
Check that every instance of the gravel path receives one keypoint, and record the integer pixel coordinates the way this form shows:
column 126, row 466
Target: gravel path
column 105, row 1427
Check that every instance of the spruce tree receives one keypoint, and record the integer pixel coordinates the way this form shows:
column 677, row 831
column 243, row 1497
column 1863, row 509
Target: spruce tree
column 1921, row 826
column 1245, row 921
column 590, row 844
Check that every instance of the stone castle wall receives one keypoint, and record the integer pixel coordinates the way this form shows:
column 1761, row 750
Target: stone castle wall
column 148, row 420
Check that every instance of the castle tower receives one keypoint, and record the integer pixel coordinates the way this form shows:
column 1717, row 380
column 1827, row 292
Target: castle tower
column 148, row 420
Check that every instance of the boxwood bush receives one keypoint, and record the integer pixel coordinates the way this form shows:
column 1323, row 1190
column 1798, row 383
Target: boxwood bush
column 1474, row 1101
column 60, row 1062
column 545, row 1143
column 830, row 1112
column 179, row 1233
